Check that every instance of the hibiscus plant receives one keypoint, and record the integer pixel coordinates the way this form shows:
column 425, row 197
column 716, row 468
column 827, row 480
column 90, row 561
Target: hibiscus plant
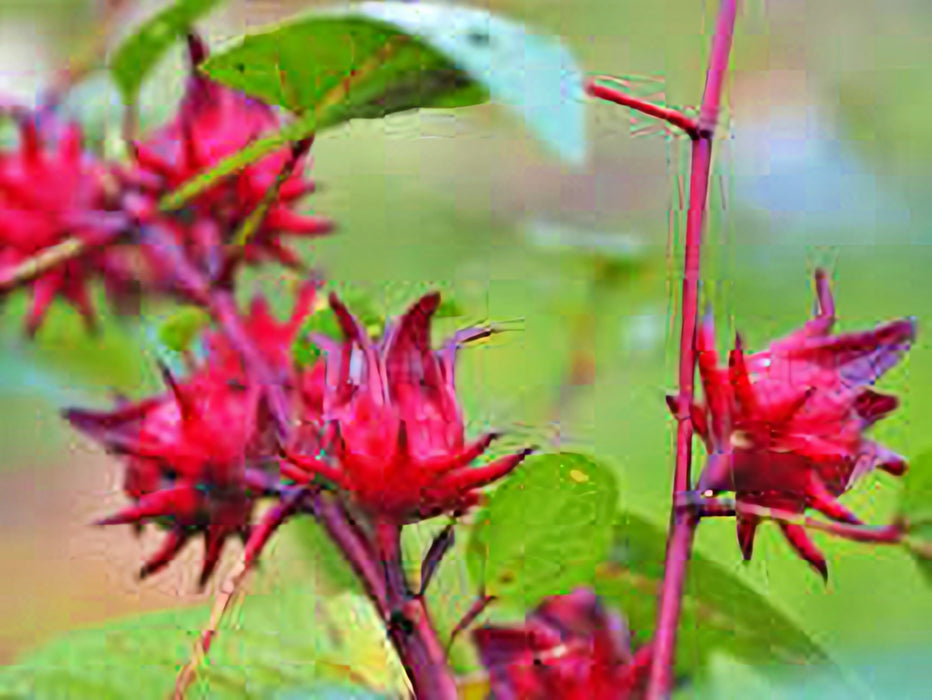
column 338, row 415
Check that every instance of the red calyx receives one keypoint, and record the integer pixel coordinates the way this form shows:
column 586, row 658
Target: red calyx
column 393, row 429
column 51, row 191
column 189, row 456
column 570, row 648
column 785, row 427
column 214, row 122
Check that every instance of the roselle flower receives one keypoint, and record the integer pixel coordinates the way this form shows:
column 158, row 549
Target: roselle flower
column 52, row 191
column 785, row 427
column 195, row 460
column 214, row 122
column 393, row 428
column 570, row 648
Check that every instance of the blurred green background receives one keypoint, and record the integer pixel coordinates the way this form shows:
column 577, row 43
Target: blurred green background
column 824, row 162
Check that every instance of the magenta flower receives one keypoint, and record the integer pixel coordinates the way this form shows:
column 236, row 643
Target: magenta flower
column 191, row 457
column 52, row 191
column 215, row 122
column 393, row 428
column 570, row 648
column 785, row 427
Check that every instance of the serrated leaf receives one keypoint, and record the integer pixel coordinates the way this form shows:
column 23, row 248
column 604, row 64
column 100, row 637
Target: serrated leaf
column 719, row 611
column 183, row 327
column 545, row 530
column 287, row 641
column 135, row 58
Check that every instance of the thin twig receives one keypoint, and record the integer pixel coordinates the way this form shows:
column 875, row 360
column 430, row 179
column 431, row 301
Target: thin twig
column 672, row 116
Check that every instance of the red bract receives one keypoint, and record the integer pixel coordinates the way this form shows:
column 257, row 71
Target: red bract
column 785, row 427
column 213, row 123
column 52, row 191
column 570, row 648
column 191, row 456
column 394, row 429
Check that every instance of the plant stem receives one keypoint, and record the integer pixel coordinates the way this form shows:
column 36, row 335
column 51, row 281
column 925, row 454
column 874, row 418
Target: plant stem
column 409, row 625
column 672, row 116
column 683, row 526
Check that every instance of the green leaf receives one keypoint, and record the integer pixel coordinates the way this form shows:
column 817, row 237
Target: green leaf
column 182, row 328
column 396, row 56
column 916, row 509
column 138, row 55
column 286, row 641
column 545, row 530
column 719, row 611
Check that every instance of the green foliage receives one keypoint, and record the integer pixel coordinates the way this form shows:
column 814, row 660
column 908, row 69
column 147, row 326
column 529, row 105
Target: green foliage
column 287, row 641
column 916, row 509
column 374, row 59
column 138, row 55
column 545, row 530
column 183, row 327
column 719, row 611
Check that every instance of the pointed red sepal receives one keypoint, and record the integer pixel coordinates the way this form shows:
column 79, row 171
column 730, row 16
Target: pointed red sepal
column 468, row 454
column 179, row 501
column 805, row 547
column 740, row 379
column 266, row 527
column 820, row 498
column 288, row 221
column 173, row 543
column 214, row 537
column 469, row 478
column 747, row 529
column 311, row 466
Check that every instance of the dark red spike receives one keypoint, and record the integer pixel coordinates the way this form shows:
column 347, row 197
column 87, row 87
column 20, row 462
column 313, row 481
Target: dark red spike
column 270, row 522
column 43, row 294
column 214, row 538
column 873, row 406
column 185, row 402
column 173, row 543
column 740, row 379
column 805, row 547
column 197, row 49
column 747, row 529
column 312, row 466
column 439, row 547
column 825, row 298
column 30, row 141
column 180, row 501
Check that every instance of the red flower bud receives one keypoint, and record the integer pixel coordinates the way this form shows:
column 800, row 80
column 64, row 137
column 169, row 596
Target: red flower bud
column 52, row 191
column 570, row 648
column 213, row 123
column 191, row 456
column 784, row 428
column 393, row 426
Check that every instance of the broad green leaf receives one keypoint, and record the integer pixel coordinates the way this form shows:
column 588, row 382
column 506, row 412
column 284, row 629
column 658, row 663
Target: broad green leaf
column 138, row 55
column 719, row 611
column 284, row 643
column 377, row 58
column 545, row 530
column 183, row 327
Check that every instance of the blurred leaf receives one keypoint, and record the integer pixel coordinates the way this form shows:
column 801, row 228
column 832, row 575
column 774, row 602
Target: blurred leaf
column 916, row 508
column 289, row 639
column 326, row 560
column 137, row 56
column 183, row 327
column 619, row 248
column 719, row 611
column 545, row 530
column 916, row 496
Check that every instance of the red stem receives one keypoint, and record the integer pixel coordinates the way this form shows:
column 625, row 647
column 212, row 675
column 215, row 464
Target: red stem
column 409, row 625
column 683, row 525
column 672, row 116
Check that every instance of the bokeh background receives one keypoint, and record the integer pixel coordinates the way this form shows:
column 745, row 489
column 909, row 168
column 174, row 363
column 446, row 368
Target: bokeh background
column 825, row 161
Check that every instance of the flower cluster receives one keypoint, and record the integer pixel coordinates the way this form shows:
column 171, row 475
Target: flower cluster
column 54, row 192
column 570, row 648
column 784, row 427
